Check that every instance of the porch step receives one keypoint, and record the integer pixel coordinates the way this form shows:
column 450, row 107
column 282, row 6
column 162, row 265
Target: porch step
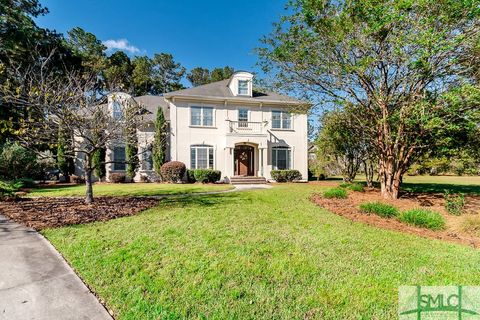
column 248, row 180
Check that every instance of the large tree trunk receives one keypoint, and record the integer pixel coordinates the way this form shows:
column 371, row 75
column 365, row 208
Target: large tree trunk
column 88, row 180
column 368, row 167
column 390, row 178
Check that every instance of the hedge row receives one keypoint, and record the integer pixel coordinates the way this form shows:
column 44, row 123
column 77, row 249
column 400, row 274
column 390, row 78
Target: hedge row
column 286, row 175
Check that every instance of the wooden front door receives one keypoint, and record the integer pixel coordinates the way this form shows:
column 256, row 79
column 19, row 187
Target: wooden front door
column 244, row 161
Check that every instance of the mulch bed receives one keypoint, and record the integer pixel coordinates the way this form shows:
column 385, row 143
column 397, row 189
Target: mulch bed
column 41, row 213
column 349, row 208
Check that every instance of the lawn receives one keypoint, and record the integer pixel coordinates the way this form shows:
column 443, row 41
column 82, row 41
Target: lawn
column 127, row 189
column 262, row 254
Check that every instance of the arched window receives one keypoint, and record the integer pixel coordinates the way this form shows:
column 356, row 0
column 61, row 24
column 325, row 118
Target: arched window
column 117, row 110
column 201, row 157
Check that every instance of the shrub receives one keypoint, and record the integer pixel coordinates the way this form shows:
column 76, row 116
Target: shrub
column 9, row 188
column 191, row 176
column 454, row 204
column 173, row 171
column 380, row 209
column 423, row 218
column 352, row 186
column 207, row 175
column 76, row 179
column 17, row 162
column 337, row 193
column 26, row 182
column 117, row 177
column 286, row 175
column 471, row 223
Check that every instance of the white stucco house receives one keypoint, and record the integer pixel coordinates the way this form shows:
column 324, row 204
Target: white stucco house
column 225, row 125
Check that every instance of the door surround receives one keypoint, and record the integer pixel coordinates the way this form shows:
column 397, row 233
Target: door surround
column 244, row 160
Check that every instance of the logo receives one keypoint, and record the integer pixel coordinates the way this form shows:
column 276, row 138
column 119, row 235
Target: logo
column 449, row 302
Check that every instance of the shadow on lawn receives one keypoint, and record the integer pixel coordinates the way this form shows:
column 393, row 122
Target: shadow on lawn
column 201, row 200
column 440, row 188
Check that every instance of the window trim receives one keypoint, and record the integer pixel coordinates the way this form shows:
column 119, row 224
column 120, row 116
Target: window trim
column 203, row 146
column 248, row 87
column 282, row 112
column 289, row 157
column 202, row 107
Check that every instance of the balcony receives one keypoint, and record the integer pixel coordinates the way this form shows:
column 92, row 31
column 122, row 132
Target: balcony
column 246, row 127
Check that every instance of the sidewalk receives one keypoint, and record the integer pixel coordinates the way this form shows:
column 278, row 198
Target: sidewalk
column 37, row 283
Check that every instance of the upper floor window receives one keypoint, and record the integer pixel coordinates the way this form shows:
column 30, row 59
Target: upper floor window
column 201, row 157
column 281, row 120
column 243, row 87
column 117, row 110
column 201, row 116
column 119, row 158
column 243, row 118
column 281, row 158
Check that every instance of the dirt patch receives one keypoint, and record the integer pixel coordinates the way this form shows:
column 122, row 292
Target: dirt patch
column 349, row 208
column 41, row 213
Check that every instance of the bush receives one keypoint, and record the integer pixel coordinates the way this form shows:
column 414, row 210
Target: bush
column 380, row 209
column 471, row 223
column 173, row 171
column 9, row 188
column 17, row 162
column 207, row 175
column 286, row 175
column 117, row 177
column 76, row 179
column 191, row 176
column 26, row 182
column 337, row 193
column 454, row 204
column 423, row 218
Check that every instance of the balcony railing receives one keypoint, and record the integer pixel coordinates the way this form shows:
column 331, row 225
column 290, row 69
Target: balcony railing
column 245, row 127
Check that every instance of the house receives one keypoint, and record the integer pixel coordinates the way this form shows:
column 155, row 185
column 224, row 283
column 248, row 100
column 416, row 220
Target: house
column 225, row 125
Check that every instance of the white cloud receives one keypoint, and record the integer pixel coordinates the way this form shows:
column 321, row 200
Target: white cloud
column 120, row 44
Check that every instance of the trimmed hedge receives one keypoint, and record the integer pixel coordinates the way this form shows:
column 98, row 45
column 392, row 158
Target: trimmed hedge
column 286, row 175
column 423, row 218
column 117, row 177
column 380, row 209
column 191, row 176
column 173, row 171
column 206, row 175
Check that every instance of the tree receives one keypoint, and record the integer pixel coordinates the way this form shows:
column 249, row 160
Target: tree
column 160, row 141
column 142, row 75
column 62, row 162
column 100, row 170
column 394, row 61
column 199, row 76
column 219, row 74
column 118, row 73
column 70, row 101
column 88, row 48
column 166, row 74
column 131, row 144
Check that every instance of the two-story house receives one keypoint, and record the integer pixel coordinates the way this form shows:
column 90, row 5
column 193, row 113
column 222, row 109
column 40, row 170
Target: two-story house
column 227, row 126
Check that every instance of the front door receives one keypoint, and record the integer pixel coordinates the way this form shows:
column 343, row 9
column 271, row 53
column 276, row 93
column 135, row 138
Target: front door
column 244, row 161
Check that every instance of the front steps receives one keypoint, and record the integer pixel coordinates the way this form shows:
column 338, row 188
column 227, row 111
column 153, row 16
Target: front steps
column 247, row 180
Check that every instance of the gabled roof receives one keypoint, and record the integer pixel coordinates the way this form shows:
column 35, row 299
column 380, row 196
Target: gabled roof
column 220, row 91
column 151, row 104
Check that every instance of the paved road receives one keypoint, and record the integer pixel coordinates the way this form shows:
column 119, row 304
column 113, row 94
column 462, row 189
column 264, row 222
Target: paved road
column 36, row 283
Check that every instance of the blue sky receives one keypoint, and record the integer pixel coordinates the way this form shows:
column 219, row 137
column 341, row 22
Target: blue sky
column 208, row 33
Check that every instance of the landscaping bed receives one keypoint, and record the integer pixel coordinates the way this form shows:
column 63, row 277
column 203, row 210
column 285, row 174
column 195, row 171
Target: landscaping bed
column 350, row 208
column 41, row 213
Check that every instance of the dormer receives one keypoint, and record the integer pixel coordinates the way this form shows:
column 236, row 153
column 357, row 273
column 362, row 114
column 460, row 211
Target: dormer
column 241, row 84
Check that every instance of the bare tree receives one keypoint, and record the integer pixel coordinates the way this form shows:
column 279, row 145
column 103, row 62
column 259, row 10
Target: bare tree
column 71, row 102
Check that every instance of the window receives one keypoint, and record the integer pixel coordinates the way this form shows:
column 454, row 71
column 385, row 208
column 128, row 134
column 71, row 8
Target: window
column 147, row 161
column 119, row 158
column 243, row 87
column 117, row 110
column 243, row 118
column 201, row 116
column 281, row 158
column 281, row 120
column 201, row 157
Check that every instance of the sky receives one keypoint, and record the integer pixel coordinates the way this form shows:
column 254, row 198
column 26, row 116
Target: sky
column 209, row 33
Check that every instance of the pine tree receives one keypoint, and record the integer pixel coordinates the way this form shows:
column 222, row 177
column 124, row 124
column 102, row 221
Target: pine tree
column 99, row 163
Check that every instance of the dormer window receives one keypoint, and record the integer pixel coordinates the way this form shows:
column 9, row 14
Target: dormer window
column 243, row 87
column 117, row 110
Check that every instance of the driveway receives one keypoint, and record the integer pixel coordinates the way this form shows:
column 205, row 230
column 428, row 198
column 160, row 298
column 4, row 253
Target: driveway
column 37, row 283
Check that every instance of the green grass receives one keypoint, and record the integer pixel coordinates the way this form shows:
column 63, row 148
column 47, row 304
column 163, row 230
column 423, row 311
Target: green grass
column 336, row 193
column 128, row 189
column 380, row 209
column 262, row 254
column 423, row 218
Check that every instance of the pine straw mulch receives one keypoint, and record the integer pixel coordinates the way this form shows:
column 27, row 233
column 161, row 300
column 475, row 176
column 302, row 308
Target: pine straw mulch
column 349, row 208
column 53, row 212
